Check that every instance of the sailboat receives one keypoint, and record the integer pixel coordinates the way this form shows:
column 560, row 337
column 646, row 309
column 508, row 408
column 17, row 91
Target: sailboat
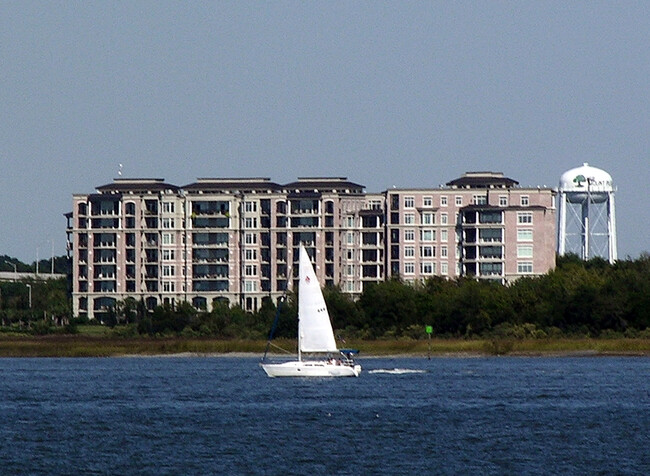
column 315, row 334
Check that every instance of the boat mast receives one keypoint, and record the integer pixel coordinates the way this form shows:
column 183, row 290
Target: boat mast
column 299, row 353
column 300, row 269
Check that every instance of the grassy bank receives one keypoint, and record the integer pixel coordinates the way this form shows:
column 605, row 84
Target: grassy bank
column 109, row 346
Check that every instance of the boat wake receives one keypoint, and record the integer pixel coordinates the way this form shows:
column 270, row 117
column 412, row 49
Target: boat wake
column 397, row 371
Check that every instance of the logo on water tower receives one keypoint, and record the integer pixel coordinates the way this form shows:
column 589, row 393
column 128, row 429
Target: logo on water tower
column 579, row 180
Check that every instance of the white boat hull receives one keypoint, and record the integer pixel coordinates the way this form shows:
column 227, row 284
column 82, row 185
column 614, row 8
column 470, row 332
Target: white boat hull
column 313, row 368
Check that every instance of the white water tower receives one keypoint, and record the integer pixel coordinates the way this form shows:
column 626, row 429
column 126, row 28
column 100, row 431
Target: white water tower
column 587, row 222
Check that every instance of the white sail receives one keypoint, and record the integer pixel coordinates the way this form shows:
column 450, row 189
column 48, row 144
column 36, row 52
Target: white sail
column 314, row 326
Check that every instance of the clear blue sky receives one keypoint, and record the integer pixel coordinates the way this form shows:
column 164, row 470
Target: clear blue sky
column 404, row 93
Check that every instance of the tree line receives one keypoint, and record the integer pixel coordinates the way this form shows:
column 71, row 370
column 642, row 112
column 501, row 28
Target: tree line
column 578, row 298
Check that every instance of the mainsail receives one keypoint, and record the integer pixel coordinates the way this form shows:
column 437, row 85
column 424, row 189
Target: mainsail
column 314, row 326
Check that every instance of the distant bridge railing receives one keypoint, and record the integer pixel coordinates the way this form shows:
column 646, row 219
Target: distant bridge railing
column 11, row 276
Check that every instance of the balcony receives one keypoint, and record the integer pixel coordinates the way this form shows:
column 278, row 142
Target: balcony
column 210, row 239
column 104, row 256
column 210, row 272
column 305, row 222
column 211, row 222
column 490, row 235
column 199, row 285
column 206, row 255
column 105, row 208
column 491, row 269
column 211, row 208
column 491, row 217
column 105, row 223
column 105, row 244
column 369, row 256
column 370, row 271
column 150, row 240
column 104, row 286
column 491, row 252
column 152, row 286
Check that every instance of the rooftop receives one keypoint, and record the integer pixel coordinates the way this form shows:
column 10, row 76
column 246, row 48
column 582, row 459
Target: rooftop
column 482, row 180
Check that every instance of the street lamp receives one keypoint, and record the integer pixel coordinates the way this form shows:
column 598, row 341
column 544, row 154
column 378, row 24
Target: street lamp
column 29, row 289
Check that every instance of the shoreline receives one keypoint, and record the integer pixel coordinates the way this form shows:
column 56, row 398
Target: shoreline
column 110, row 346
column 448, row 355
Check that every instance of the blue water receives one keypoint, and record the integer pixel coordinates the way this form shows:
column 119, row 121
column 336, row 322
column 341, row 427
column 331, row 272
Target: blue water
column 159, row 416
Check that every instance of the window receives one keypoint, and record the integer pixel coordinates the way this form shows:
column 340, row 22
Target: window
column 349, row 254
column 524, row 218
column 168, row 270
column 250, row 238
column 250, row 222
column 168, row 255
column 444, row 219
column 349, row 238
column 480, row 199
column 409, row 202
column 459, row 200
column 444, row 269
column 427, row 202
column 168, row 207
column 427, row 267
column 168, row 239
column 525, row 201
column 251, row 254
column 427, row 235
column 250, row 270
column 409, row 251
column 443, row 201
column 443, row 251
column 525, row 267
column 409, row 235
column 250, row 207
column 524, row 251
column 130, row 239
column 409, row 218
column 428, row 218
column 524, row 235
column 444, row 235
column 168, row 223
column 349, row 270
column 409, row 268
column 427, row 251
column 250, row 286
column 503, row 200
column 168, row 286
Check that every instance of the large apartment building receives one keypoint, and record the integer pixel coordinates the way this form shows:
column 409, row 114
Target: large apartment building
column 480, row 225
column 236, row 240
